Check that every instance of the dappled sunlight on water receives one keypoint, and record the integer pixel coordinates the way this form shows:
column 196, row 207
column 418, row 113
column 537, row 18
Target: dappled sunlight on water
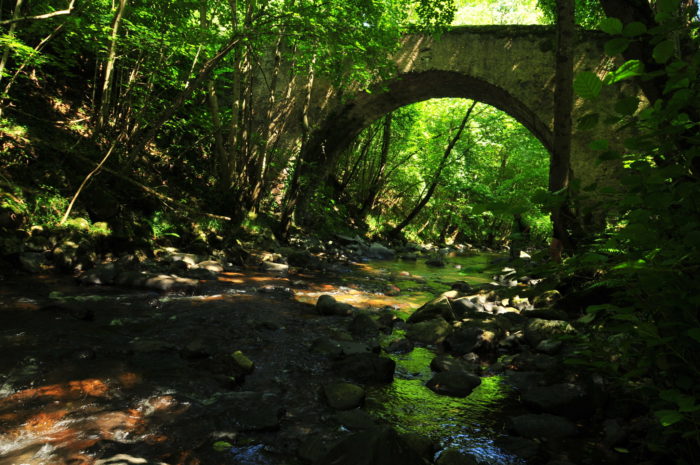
column 402, row 285
column 468, row 423
column 59, row 408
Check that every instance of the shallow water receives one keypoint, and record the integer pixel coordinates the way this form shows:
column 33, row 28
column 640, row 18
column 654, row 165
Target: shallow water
column 470, row 424
column 411, row 283
column 56, row 401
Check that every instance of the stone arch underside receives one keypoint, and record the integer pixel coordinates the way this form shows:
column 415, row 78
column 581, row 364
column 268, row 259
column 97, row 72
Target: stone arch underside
column 344, row 125
column 509, row 67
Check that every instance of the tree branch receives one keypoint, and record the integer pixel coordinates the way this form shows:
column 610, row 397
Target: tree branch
column 67, row 11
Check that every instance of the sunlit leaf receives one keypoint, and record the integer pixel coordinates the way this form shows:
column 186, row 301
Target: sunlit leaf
column 629, row 69
column 222, row 446
column 668, row 417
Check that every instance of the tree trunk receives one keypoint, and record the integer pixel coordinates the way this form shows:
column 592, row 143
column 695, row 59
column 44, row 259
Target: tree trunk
column 10, row 33
column 376, row 182
column 108, row 80
column 221, row 160
column 560, row 169
column 436, row 178
column 291, row 200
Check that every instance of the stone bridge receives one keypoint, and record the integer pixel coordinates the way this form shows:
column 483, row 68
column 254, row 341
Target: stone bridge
column 509, row 67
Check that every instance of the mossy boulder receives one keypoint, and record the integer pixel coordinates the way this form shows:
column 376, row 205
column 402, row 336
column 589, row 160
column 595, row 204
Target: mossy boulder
column 429, row 332
column 343, row 396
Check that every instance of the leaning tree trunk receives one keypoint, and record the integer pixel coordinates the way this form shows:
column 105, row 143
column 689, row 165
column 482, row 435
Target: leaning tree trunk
column 108, row 80
column 560, row 166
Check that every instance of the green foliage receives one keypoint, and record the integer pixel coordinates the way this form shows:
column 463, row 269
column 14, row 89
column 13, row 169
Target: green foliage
column 588, row 12
column 493, row 171
column 162, row 226
column 647, row 338
column 496, row 12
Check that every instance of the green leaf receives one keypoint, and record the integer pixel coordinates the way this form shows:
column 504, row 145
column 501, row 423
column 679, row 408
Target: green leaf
column 694, row 333
column 616, row 46
column 664, row 51
column 611, row 26
column 634, row 29
column 588, row 121
column 666, row 6
column 629, row 69
column 588, row 85
column 599, row 144
column 670, row 395
column 626, row 106
column 222, row 446
column 668, row 417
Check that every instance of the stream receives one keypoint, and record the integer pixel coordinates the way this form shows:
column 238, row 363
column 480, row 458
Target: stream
column 102, row 371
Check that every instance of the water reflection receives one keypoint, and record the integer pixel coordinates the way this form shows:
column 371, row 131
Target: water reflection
column 469, row 424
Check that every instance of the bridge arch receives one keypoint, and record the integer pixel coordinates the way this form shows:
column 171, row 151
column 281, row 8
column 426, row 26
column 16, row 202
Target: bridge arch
column 509, row 67
column 345, row 124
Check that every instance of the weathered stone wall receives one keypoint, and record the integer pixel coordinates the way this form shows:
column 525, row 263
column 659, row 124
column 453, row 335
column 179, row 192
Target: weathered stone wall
column 509, row 67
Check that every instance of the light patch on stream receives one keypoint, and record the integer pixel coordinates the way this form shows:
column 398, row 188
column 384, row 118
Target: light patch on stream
column 469, row 424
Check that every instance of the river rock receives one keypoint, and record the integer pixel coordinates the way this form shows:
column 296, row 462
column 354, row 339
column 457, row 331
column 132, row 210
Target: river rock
column 363, row 325
column 445, row 362
column 100, row 275
column 379, row 446
column 543, row 425
column 546, row 313
column 564, row 399
column 302, row 259
column 522, row 380
column 188, row 258
column 366, row 368
column 429, row 332
column 211, row 265
column 464, row 339
column 166, row 283
column 356, row 420
column 327, row 347
column 549, row 346
column 380, row 252
column 400, row 346
column 520, row 447
column 66, row 255
column 327, row 305
column 251, row 411
column 454, row 383
column 33, row 262
column 436, row 262
column 343, row 396
column 547, row 298
column 461, row 286
column 537, row 330
column 439, row 307
column 315, row 446
column 241, row 363
column 274, row 267
column 455, row 457
column 422, row 445
column 464, row 307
